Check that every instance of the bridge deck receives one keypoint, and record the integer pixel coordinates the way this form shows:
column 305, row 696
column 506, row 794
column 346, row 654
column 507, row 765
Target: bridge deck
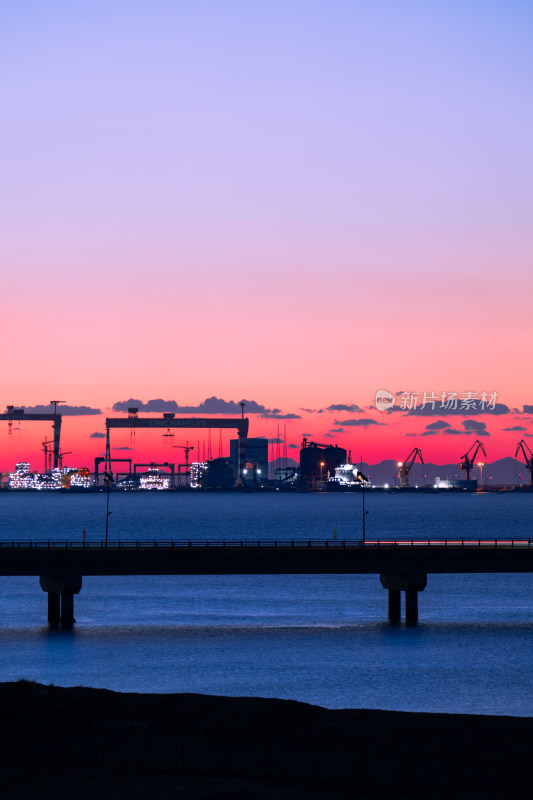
column 226, row 557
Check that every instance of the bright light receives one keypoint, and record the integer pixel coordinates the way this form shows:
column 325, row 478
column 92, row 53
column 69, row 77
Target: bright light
column 245, row 472
column 258, row 471
column 322, row 463
column 386, row 486
column 400, row 463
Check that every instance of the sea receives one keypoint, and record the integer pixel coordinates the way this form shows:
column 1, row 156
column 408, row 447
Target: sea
column 319, row 639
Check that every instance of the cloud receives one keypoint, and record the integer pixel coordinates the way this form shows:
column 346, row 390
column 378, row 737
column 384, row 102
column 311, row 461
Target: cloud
column 294, row 446
column 470, row 426
column 474, row 426
column 276, row 415
column 307, row 434
column 357, row 423
column 337, row 430
column 275, row 440
column 97, row 435
column 328, row 435
column 122, row 448
column 211, row 405
column 350, row 407
column 428, row 411
column 66, row 411
column 439, row 425
column 515, row 428
column 527, row 410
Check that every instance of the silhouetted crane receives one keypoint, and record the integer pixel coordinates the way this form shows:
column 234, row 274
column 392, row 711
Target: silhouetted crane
column 187, row 447
column 469, row 458
column 522, row 445
column 406, row 466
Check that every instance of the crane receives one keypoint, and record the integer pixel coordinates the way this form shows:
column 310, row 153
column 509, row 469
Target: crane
column 61, row 455
column 468, row 460
column 187, row 447
column 525, row 448
column 48, row 452
column 406, row 466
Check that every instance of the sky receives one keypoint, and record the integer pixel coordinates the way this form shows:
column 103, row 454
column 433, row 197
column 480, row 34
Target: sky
column 293, row 203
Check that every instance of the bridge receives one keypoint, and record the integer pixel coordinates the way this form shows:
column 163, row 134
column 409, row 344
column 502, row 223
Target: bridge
column 403, row 566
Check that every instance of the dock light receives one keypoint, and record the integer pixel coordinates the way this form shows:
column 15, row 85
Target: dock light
column 245, row 472
column 386, row 486
column 322, row 465
column 400, row 463
column 258, row 471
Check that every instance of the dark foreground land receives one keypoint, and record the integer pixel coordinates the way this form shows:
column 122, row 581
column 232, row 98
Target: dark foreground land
column 90, row 743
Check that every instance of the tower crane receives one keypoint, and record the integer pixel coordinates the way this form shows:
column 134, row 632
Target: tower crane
column 525, row 448
column 469, row 458
column 406, row 466
column 187, row 447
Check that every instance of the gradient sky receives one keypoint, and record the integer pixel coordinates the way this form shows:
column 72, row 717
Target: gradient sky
column 298, row 203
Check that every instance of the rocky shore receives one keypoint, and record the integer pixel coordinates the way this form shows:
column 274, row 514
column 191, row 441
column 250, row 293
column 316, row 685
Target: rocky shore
column 92, row 743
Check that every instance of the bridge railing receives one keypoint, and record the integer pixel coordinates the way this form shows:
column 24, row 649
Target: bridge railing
column 281, row 544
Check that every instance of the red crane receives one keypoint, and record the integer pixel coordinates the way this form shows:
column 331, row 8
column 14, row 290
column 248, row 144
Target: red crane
column 187, row 447
column 469, row 458
column 525, row 448
column 406, row 466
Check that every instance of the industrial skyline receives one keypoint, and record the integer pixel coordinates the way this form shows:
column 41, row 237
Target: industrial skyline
column 370, row 435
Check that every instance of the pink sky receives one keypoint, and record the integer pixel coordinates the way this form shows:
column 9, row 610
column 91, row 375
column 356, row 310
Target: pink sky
column 292, row 203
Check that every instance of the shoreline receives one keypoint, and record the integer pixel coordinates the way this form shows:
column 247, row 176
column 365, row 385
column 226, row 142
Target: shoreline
column 70, row 742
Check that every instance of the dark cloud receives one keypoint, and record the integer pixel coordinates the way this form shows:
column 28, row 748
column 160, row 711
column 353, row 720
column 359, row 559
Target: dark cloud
column 527, row 410
column 275, row 440
column 428, row 433
column 515, row 428
column 294, row 446
column 307, row 434
column 357, row 423
column 428, row 411
column 122, row 448
column 337, row 430
column 350, row 407
column 97, row 435
column 276, row 415
column 66, row 411
column 470, row 426
column 211, row 405
column 439, row 425
column 474, row 426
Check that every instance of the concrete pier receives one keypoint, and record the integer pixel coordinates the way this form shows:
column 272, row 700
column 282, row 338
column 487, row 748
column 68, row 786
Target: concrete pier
column 54, row 608
column 395, row 605
column 61, row 590
column 411, row 605
column 411, row 584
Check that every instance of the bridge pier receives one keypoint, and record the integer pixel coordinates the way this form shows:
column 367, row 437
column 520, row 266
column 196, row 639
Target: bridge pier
column 61, row 590
column 54, row 608
column 395, row 605
column 411, row 584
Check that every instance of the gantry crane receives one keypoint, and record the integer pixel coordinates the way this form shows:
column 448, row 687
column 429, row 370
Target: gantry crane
column 187, row 447
column 525, row 448
column 468, row 460
column 406, row 466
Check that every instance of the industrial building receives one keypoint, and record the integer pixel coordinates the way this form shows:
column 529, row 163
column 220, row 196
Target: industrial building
column 255, row 468
column 319, row 461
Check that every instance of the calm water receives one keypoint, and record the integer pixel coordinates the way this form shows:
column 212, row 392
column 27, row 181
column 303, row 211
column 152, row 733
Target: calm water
column 320, row 639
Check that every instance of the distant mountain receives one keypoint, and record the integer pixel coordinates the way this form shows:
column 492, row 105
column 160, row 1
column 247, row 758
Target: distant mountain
column 503, row 472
